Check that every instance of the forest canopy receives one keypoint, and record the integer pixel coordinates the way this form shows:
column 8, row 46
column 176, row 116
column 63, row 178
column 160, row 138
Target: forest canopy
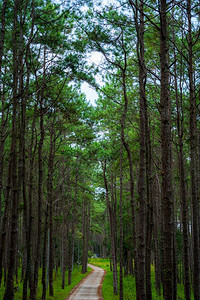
column 119, row 179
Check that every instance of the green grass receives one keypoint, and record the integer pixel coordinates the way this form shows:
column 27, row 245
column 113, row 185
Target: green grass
column 59, row 293
column 129, row 284
column 107, row 288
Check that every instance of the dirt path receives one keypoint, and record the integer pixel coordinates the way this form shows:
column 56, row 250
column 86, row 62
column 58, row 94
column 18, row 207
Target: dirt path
column 90, row 287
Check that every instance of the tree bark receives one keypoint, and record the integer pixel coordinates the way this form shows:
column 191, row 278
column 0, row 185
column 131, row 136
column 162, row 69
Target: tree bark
column 33, row 293
column 65, row 229
column 141, row 292
column 113, row 251
column 9, row 292
column 71, row 252
column 4, row 220
column 50, row 200
column 3, row 27
column 2, row 98
column 194, row 160
column 121, row 294
column 85, row 233
column 44, row 254
column 28, row 273
column 183, row 190
column 149, row 230
column 156, row 232
column 167, row 200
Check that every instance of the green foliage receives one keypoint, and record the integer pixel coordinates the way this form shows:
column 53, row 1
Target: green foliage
column 129, row 283
column 59, row 293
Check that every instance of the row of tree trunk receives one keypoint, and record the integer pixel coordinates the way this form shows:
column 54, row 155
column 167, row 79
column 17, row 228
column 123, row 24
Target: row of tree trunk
column 155, row 219
column 33, row 192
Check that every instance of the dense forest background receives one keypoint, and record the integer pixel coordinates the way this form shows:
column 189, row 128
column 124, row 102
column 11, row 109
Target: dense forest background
column 120, row 179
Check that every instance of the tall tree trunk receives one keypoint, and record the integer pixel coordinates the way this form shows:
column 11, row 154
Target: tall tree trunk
column 33, row 293
column 183, row 190
column 50, row 200
column 141, row 292
column 49, row 222
column 71, row 252
column 22, row 182
column 23, row 92
column 3, row 27
column 2, row 99
column 121, row 295
column 130, row 159
column 28, row 273
column 2, row 144
column 113, row 205
column 167, row 200
column 85, row 213
column 4, row 220
column 65, row 228
column 9, row 292
column 44, row 253
column 156, row 232
column 149, row 230
column 112, row 230
column 194, row 160
column 28, row 203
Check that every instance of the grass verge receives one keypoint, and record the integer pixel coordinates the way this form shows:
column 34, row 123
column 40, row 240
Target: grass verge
column 59, row 293
column 129, row 284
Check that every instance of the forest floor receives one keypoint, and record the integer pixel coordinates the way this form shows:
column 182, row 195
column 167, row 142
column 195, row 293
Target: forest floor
column 90, row 287
column 128, row 284
column 59, row 293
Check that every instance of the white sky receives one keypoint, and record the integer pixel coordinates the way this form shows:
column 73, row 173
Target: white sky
column 90, row 93
column 97, row 59
column 93, row 58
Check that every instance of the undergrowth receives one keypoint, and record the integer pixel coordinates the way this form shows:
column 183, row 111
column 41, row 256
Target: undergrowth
column 128, row 284
column 59, row 293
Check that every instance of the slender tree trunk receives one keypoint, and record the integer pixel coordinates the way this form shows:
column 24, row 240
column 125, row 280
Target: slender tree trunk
column 167, row 200
column 87, row 229
column 113, row 206
column 23, row 92
column 4, row 220
column 49, row 214
column 73, row 229
column 156, row 231
column 28, row 273
column 113, row 252
column 65, row 230
column 149, row 230
column 141, row 292
column 127, row 148
column 84, row 236
column 2, row 143
column 2, row 98
column 28, row 203
column 194, row 160
column 183, row 192
column 33, row 293
column 50, row 199
column 9, row 292
column 121, row 295
column 44, row 254
column 3, row 27
column 5, row 223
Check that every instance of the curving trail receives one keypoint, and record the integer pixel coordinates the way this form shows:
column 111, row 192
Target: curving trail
column 90, row 287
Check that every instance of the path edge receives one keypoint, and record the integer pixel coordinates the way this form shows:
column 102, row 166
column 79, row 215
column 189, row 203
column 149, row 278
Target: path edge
column 77, row 286
column 99, row 290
